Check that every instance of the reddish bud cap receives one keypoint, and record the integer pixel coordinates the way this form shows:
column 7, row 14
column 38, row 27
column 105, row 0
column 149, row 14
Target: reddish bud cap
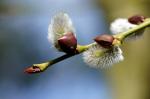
column 105, row 40
column 33, row 69
column 137, row 19
column 68, row 43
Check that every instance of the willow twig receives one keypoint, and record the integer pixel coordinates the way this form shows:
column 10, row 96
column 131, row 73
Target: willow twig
column 119, row 38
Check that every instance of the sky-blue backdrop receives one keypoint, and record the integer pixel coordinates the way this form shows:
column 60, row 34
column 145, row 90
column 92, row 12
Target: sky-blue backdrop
column 23, row 41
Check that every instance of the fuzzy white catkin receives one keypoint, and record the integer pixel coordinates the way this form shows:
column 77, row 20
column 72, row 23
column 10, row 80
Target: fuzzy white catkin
column 60, row 24
column 107, row 59
column 122, row 25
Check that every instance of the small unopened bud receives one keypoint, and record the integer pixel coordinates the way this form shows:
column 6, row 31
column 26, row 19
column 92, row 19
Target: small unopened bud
column 33, row 69
column 105, row 40
column 137, row 19
column 68, row 43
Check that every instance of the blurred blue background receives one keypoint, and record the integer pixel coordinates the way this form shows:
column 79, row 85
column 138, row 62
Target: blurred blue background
column 23, row 41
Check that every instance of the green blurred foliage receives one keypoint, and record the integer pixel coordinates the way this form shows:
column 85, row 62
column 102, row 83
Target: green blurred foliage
column 131, row 77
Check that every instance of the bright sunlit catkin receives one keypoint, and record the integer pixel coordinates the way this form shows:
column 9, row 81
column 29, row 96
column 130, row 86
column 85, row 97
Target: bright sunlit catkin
column 60, row 25
column 99, row 57
column 121, row 25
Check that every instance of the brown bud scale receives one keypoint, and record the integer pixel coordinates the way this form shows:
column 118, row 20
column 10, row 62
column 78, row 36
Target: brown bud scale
column 68, row 43
column 136, row 19
column 33, row 69
column 105, row 40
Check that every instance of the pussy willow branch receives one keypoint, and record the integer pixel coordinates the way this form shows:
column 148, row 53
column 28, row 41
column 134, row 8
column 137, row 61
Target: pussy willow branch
column 45, row 65
column 123, row 35
column 120, row 37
